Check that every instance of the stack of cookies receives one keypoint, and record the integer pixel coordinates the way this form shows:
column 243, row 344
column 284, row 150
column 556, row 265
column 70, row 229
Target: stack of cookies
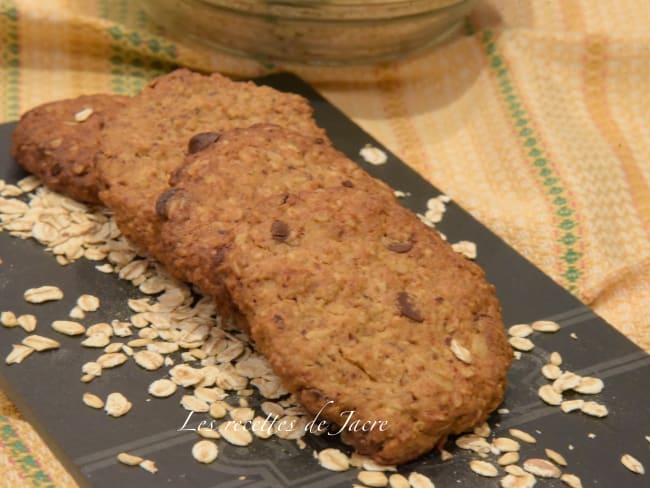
column 367, row 315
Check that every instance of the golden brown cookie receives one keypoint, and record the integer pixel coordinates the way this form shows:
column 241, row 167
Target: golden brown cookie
column 152, row 138
column 361, row 308
column 58, row 142
column 218, row 185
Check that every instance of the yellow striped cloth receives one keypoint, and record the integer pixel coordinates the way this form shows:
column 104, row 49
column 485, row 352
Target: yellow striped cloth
column 536, row 122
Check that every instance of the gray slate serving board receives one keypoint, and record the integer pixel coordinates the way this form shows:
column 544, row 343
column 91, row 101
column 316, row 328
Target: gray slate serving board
column 47, row 389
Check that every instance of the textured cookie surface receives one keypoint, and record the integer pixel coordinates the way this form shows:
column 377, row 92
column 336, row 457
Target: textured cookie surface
column 59, row 148
column 217, row 186
column 360, row 307
column 152, row 137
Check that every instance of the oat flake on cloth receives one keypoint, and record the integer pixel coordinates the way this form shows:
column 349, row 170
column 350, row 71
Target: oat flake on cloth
column 535, row 120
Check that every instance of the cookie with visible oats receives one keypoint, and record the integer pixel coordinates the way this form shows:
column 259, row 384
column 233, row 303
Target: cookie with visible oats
column 357, row 304
column 152, row 138
column 58, row 142
column 217, row 187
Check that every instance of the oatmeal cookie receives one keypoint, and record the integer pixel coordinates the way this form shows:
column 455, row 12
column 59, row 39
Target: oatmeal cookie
column 58, row 142
column 361, row 308
column 217, row 187
column 154, row 134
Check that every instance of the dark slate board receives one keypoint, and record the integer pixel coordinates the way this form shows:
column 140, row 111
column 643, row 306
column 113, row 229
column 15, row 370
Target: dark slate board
column 47, row 389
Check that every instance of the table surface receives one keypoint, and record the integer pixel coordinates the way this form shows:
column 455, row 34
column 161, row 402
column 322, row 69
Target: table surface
column 535, row 121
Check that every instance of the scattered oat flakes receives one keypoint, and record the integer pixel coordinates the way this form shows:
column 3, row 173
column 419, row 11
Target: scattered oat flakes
column 121, row 329
column 105, row 268
column 96, row 340
column 398, row 481
column 505, row 444
column 242, row 414
column 418, row 480
column 113, row 347
column 513, row 481
column 112, row 359
column 40, row 343
column 117, row 405
column 520, row 330
column 8, row 319
column 185, row 375
column 566, row 381
column 192, row 403
column 373, row 478
column 18, row 354
column 555, row 358
column 473, row 442
column 77, row 313
column 129, row 459
column 515, row 470
column 541, row 468
column 556, row 457
column 205, row 451
column 149, row 465
column 11, row 191
column 551, row 371
column 100, row 328
column 29, row 183
column 28, row 322
column 83, row 115
column 521, row 343
column 483, row 430
column 218, row 410
column 43, row 294
column 590, row 386
column 235, row 433
column 573, row 335
column 632, row 463
column 571, row 480
column 333, row 460
column 92, row 368
column 93, row 401
column 483, row 468
column 594, row 409
column 68, row 327
column 162, row 388
column 545, row 326
column 148, row 360
column 88, row 303
column 522, row 436
column 549, row 395
column 373, row 155
column 568, row 406
column 466, row 248
column 508, row 458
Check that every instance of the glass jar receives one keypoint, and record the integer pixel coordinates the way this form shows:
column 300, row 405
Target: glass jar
column 312, row 31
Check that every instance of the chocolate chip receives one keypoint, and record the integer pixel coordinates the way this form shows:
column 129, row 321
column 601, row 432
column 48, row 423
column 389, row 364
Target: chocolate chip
column 400, row 247
column 163, row 199
column 279, row 231
column 56, row 169
column 348, row 184
column 406, row 308
column 200, row 141
column 278, row 321
column 219, row 254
